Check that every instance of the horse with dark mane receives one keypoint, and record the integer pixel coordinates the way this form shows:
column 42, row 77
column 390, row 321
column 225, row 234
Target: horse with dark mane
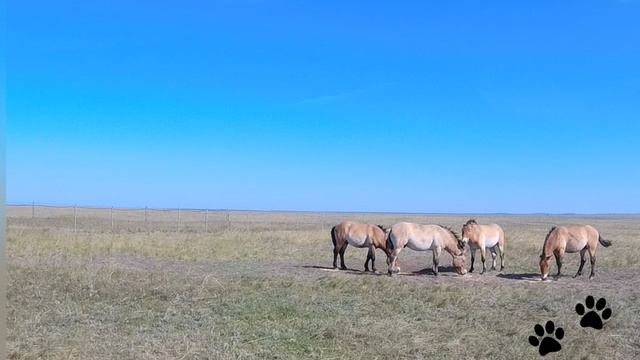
column 571, row 239
column 484, row 237
column 361, row 236
column 422, row 238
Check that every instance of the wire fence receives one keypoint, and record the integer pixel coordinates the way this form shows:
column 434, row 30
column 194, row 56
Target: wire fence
column 73, row 218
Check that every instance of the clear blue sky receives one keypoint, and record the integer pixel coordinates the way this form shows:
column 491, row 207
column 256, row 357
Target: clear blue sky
column 414, row 106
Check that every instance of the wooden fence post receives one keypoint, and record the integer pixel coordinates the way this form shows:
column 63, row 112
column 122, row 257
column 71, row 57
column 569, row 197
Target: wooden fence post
column 206, row 222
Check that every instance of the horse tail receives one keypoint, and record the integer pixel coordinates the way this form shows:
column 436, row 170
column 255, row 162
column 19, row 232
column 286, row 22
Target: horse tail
column 390, row 245
column 333, row 236
column 604, row 242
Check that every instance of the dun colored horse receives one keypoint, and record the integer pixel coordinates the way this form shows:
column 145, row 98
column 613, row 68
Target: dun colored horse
column 360, row 236
column 484, row 237
column 425, row 237
column 571, row 239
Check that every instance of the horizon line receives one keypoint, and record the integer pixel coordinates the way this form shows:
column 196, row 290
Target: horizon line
column 97, row 207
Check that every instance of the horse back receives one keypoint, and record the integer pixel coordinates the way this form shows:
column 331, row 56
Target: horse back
column 359, row 235
column 416, row 236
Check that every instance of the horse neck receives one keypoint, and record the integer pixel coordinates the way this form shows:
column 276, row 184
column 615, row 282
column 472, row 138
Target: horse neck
column 549, row 245
column 451, row 244
column 379, row 238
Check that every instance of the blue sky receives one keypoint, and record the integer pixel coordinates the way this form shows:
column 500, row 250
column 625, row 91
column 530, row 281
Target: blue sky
column 465, row 106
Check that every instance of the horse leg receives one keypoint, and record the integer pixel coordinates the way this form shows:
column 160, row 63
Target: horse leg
column 592, row 255
column 558, row 254
column 483, row 253
column 335, row 257
column 436, row 260
column 366, row 263
column 373, row 258
column 493, row 257
column 342, row 250
column 473, row 258
column 501, row 251
column 370, row 256
column 583, row 260
column 393, row 259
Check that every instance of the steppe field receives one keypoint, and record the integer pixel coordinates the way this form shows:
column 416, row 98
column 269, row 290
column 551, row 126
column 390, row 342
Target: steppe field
column 252, row 285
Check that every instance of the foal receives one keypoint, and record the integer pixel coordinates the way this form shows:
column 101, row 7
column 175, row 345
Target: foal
column 360, row 236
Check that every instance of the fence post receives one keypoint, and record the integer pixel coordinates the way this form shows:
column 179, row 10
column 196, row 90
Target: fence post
column 206, row 222
column 112, row 219
column 75, row 218
column 228, row 221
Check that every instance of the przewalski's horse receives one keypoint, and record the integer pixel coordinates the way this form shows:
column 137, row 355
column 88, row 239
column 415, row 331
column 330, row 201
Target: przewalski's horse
column 570, row 239
column 360, row 236
column 425, row 237
column 484, row 237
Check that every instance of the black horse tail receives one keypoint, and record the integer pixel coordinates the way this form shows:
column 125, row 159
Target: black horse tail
column 604, row 242
column 390, row 245
column 333, row 236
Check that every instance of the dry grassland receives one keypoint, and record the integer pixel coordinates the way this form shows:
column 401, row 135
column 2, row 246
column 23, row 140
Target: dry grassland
column 258, row 285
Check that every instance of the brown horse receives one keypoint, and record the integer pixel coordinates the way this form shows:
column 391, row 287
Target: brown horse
column 571, row 239
column 425, row 237
column 484, row 237
column 360, row 236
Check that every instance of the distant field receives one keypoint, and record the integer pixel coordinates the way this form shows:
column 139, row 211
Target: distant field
column 258, row 285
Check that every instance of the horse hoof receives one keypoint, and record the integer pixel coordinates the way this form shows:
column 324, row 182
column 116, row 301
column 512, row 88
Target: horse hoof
column 366, row 270
column 343, row 268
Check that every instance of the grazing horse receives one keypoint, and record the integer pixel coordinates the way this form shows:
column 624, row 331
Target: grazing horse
column 425, row 237
column 571, row 239
column 484, row 237
column 360, row 236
